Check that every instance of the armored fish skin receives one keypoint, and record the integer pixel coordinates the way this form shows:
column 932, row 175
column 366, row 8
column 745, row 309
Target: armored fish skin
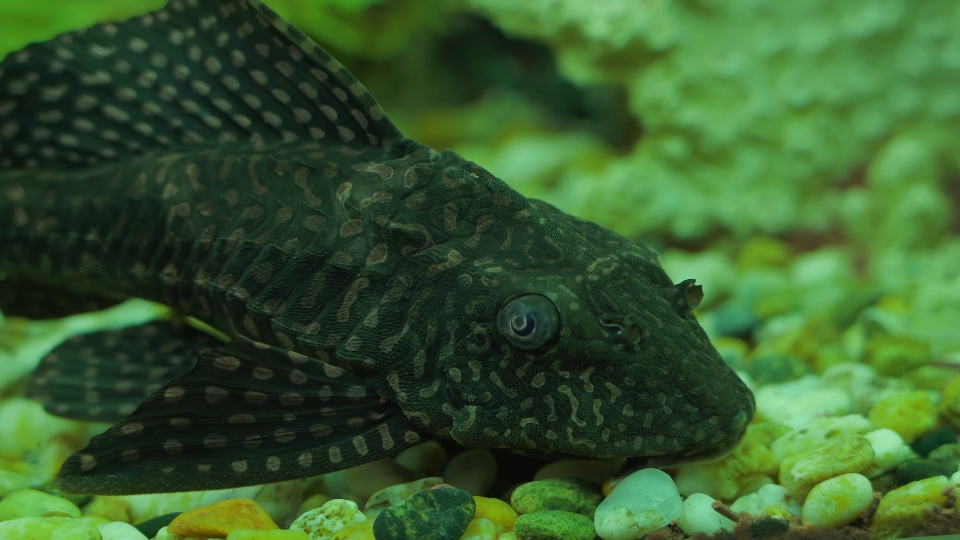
column 376, row 292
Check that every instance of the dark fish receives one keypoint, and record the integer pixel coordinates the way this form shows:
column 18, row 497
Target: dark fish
column 375, row 292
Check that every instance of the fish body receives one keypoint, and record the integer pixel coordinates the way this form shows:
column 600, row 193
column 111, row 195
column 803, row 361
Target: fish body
column 375, row 292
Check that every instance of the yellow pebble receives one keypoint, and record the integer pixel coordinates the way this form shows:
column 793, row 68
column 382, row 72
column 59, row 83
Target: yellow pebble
column 908, row 412
column 95, row 521
column 480, row 529
column 359, row 531
column 500, row 513
column 278, row 534
column 219, row 518
column 112, row 508
column 314, row 501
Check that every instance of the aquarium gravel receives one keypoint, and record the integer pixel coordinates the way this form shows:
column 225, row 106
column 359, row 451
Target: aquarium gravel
column 799, row 159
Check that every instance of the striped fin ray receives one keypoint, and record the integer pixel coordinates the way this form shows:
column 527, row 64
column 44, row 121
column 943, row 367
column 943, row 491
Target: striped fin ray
column 195, row 72
column 247, row 414
column 104, row 376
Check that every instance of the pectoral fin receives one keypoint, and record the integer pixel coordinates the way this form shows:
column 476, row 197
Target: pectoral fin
column 246, row 414
column 104, row 376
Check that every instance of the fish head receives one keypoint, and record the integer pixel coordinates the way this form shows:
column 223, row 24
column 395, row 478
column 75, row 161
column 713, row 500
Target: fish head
column 581, row 345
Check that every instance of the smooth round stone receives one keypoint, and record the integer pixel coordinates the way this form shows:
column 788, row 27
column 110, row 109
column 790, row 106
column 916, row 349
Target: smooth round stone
column 112, row 508
column 426, row 458
column 700, row 517
column 773, row 368
column 933, row 440
column 501, row 514
column 595, row 471
column 369, row 478
column 280, row 500
column 554, row 525
column 150, row 527
column 480, row 529
column 219, row 518
column 910, row 413
column 801, row 472
column 889, row 450
column 33, row 503
column 277, row 534
column 644, row 501
column 904, row 510
column 436, row 514
column 48, row 528
column 117, row 530
column 838, row 501
column 333, row 516
column 565, row 494
column 473, row 471
column 918, row 469
column 947, row 455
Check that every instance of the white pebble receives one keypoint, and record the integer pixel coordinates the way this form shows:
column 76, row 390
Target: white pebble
column 699, row 517
column 817, row 433
column 837, row 501
column 118, row 530
column 889, row 451
column 796, row 403
column 335, row 514
column 646, row 500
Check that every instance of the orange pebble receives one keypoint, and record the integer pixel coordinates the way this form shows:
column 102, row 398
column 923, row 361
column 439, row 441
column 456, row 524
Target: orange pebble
column 219, row 518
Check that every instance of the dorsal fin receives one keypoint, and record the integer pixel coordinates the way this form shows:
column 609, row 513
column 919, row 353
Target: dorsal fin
column 195, row 72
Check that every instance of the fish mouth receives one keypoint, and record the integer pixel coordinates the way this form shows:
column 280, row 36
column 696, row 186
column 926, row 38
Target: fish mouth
column 738, row 425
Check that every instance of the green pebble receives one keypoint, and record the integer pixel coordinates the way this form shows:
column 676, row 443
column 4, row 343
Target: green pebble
column 33, row 503
column 773, row 368
column 150, row 527
column 933, row 440
column 554, row 525
column 947, row 455
column 565, row 494
column 434, row 514
column 918, row 469
column 49, row 528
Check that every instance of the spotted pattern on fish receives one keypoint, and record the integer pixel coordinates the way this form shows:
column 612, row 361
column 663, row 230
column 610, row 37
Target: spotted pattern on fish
column 376, row 293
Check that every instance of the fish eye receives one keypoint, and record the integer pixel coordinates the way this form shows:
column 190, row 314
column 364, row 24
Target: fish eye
column 530, row 321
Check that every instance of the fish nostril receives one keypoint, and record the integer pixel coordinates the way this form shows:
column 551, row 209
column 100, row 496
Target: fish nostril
column 621, row 330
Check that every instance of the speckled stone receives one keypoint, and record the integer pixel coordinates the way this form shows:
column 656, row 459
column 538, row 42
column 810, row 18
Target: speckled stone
column 554, row 525
column 436, row 514
column 565, row 494
column 838, row 501
column 383, row 499
column 321, row 523
column 150, row 527
column 48, row 528
column 358, row 531
column 33, row 503
column 219, row 518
